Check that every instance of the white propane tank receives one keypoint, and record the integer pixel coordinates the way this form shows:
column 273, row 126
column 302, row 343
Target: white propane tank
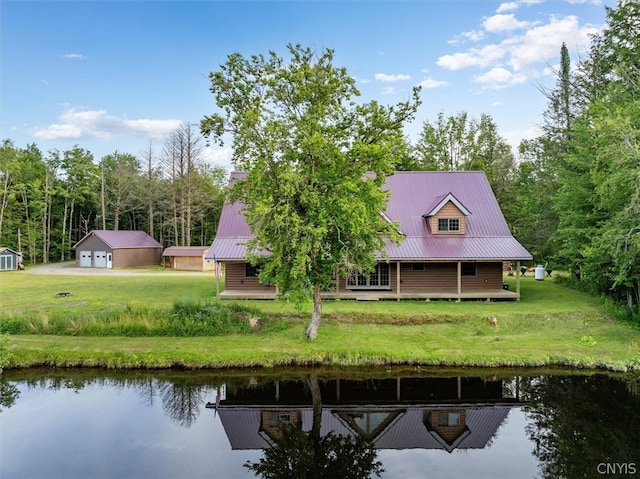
column 539, row 275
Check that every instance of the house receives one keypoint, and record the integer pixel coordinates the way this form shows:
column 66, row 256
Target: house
column 9, row 259
column 189, row 258
column 117, row 249
column 455, row 243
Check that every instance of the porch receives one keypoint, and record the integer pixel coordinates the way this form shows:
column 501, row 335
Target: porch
column 492, row 295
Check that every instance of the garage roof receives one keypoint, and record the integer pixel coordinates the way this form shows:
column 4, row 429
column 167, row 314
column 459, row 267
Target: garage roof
column 123, row 239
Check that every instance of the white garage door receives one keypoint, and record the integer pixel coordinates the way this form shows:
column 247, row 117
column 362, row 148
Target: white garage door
column 99, row 259
column 85, row 259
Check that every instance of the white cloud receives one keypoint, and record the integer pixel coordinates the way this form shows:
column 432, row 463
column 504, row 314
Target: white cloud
column 474, row 35
column 383, row 77
column 218, row 157
column 542, row 43
column 431, row 83
column 503, row 23
column 507, row 7
column 474, row 57
column 388, row 90
column 85, row 124
column 74, row 56
column 518, row 57
column 498, row 78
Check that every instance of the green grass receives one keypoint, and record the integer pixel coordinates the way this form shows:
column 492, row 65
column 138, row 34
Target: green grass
column 552, row 326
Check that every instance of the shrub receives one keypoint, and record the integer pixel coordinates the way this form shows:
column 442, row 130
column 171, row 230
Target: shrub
column 210, row 319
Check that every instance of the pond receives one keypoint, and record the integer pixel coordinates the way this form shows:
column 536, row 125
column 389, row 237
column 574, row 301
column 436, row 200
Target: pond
column 412, row 423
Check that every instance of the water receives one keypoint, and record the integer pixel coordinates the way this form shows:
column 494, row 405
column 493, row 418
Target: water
column 437, row 424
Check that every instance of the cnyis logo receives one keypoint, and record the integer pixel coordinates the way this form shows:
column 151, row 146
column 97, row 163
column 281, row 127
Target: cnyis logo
column 610, row 468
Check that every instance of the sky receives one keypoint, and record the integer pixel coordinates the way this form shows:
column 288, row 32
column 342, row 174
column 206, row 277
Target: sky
column 120, row 75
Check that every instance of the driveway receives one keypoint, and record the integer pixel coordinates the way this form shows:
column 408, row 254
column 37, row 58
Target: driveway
column 70, row 268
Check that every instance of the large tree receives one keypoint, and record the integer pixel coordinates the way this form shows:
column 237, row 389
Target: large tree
column 316, row 163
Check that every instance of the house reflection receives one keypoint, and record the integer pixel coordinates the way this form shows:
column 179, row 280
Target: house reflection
column 400, row 413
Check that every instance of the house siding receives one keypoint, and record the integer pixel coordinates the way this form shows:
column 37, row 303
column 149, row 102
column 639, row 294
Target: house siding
column 235, row 279
column 449, row 211
column 188, row 263
column 488, row 276
column 125, row 257
column 439, row 278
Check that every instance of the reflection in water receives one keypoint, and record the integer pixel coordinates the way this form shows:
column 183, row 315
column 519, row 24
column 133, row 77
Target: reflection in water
column 491, row 425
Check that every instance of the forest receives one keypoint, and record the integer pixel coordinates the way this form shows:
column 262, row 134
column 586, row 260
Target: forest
column 571, row 196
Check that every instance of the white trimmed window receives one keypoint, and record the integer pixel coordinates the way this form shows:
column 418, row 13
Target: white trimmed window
column 448, row 224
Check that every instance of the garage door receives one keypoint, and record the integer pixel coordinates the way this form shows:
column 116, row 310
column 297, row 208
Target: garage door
column 99, row 259
column 85, row 259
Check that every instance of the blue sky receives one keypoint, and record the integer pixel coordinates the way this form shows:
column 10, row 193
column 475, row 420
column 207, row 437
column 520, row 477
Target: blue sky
column 114, row 75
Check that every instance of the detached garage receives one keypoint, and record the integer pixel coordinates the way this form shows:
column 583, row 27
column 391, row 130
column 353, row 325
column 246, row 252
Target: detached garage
column 189, row 258
column 117, row 249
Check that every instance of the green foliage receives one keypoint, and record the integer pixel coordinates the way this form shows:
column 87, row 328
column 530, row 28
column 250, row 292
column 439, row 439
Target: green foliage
column 195, row 319
column 459, row 142
column 5, row 355
column 296, row 455
column 315, row 162
column 185, row 318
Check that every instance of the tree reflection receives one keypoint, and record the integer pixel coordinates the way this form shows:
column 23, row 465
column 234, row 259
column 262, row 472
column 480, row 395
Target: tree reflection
column 8, row 394
column 297, row 454
column 182, row 400
column 579, row 422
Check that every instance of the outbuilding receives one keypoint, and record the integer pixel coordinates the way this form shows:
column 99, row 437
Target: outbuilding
column 9, row 259
column 187, row 258
column 117, row 249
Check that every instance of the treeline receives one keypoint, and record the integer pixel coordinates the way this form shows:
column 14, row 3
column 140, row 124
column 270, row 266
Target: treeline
column 50, row 201
column 571, row 196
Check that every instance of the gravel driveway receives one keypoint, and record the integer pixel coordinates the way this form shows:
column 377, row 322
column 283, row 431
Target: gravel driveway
column 70, row 268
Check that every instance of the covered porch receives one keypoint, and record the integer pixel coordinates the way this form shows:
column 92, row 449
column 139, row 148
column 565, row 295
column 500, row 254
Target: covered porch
column 454, row 280
column 497, row 295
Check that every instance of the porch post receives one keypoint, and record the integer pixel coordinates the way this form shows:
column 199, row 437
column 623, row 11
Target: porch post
column 518, row 280
column 398, row 281
column 459, row 281
column 337, row 286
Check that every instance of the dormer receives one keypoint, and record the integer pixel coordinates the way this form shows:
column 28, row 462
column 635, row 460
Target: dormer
column 447, row 216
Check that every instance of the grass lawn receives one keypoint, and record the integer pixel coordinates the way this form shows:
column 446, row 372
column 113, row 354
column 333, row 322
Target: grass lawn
column 552, row 326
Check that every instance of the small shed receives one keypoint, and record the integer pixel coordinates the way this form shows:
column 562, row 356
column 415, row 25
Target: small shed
column 9, row 259
column 188, row 258
column 117, row 249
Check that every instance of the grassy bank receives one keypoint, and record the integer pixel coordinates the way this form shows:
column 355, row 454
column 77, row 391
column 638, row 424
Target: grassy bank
column 122, row 322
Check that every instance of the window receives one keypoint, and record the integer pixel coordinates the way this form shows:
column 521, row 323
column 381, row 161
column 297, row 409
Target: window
column 448, row 224
column 468, row 269
column 277, row 418
column 448, row 419
column 377, row 279
column 250, row 271
column 417, row 267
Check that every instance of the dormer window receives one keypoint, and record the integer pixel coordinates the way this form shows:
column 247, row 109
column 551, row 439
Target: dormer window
column 447, row 215
column 448, row 224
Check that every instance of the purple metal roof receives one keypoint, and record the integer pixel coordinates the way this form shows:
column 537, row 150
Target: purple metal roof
column 123, row 239
column 185, row 250
column 412, row 193
column 407, row 431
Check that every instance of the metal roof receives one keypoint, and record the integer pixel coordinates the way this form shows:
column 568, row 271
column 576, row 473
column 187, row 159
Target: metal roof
column 408, row 431
column 185, row 250
column 487, row 235
column 123, row 239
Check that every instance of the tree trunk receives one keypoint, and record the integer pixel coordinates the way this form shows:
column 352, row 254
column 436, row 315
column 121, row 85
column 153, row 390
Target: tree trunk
column 316, row 315
column 316, row 397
